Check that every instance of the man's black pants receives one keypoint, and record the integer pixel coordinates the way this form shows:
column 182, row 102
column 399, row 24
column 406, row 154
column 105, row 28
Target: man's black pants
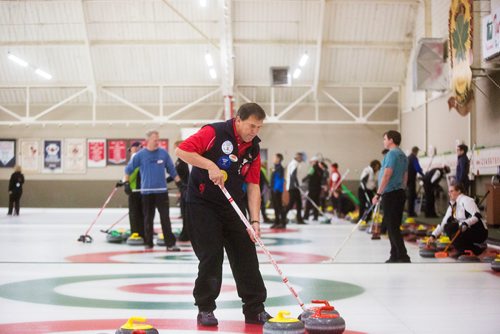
column 212, row 229
column 135, row 213
column 295, row 199
column 393, row 204
column 279, row 211
column 150, row 202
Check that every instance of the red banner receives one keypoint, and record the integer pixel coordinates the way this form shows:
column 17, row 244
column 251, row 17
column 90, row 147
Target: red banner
column 117, row 151
column 96, row 153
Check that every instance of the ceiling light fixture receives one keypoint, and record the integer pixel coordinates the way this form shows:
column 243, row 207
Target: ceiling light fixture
column 17, row 60
column 203, row 3
column 297, row 73
column 212, row 73
column 209, row 60
column 43, row 74
column 303, row 59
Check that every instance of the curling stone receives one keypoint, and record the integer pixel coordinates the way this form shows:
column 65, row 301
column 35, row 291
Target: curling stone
column 135, row 240
column 427, row 251
column 490, row 256
column 422, row 242
column 324, row 220
column 310, row 311
column 363, row 225
column 442, row 242
column 283, row 325
column 404, row 230
column 409, row 221
column 130, row 327
column 421, row 230
column 125, row 234
column 495, row 264
column 469, row 256
column 160, row 240
column 114, row 237
column 321, row 323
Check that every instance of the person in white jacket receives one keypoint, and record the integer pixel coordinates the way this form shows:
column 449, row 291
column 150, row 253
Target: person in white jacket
column 463, row 214
column 292, row 178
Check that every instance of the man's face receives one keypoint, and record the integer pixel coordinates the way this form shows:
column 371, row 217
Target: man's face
column 459, row 151
column 453, row 193
column 387, row 142
column 153, row 141
column 134, row 149
column 276, row 160
column 249, row 128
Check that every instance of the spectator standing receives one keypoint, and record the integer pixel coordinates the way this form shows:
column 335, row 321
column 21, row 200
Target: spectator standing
column 15, row 191
column 413, row 168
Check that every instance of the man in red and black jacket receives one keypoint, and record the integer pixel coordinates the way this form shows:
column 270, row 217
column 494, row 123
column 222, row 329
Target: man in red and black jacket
column 225, row 154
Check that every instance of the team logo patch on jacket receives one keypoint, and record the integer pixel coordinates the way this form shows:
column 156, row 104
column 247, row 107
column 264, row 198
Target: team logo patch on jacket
column 227, row 147
column 224, row 162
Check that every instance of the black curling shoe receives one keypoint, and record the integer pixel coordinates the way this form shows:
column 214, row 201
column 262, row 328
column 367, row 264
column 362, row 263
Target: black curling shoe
column 259, row 319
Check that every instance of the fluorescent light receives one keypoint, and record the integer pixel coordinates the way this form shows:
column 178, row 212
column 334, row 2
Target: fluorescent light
column 212, row 73
column 43, row 74
column 297, row 73
column 303, row 59
column 209, row 60
column 18, row 60
column 203, row 3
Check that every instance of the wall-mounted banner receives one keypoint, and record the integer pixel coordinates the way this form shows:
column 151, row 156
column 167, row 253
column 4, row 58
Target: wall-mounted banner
column 52, row 156
column 117, row 152
column 164, row 144
column 74, row 156
column 491, row 34
column 7, row 153
column 96, row 153
column 30, row 155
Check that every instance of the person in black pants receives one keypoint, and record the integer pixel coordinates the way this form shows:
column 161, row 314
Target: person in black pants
column 431, row 186
column 367, row 186
column 464, row 215
column 463, row 165
column 392, row 180
column 226, row 154
column 292, row 187
column 182, row 169
column 413, row 168
column 314, row 178
column 15, row 191
column 277, row 187
column 153, row 163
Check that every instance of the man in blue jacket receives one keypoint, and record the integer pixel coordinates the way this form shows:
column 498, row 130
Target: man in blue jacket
column 152, row 162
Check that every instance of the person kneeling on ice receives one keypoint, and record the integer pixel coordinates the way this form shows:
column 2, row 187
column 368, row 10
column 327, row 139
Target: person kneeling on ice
column 226, row 154
column 462, row 214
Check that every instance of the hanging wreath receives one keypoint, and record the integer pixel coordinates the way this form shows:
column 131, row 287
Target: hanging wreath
column 460, row 28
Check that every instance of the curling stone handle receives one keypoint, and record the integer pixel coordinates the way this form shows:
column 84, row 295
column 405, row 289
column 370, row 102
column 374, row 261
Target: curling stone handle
column 320, row 301
column 130, row 321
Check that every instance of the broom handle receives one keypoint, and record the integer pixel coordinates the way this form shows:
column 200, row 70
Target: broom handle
column 261, row 244
column 101, row 210
column 451, row 242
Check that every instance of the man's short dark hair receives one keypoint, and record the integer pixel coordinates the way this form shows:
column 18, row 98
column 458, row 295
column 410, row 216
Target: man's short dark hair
column 463, row 147
column 384, row 151
column 415, row 150
column 280, row 156
column 335, row 165
column 394, row 135
column 458, row 186
column 251, row 109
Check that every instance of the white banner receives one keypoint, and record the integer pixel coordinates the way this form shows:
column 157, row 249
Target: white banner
column 483, row 161
column 75, row 152
column 30, row 155
column 491, row 34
